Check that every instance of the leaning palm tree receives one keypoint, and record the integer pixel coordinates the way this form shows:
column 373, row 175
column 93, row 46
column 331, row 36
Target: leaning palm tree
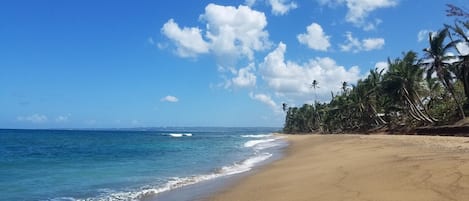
column 461, row 30
column 439, row 62
column 403, row 83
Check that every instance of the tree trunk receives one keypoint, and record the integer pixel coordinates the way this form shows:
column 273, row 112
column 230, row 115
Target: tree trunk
column 450, row 88
column 414, row 107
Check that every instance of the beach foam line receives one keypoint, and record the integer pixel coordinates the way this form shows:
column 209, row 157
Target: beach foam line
column 178, row 182
column 253, row 143
column 257, row 136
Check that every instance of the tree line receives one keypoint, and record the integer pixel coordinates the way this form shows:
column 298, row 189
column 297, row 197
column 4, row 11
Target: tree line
column 414, row 91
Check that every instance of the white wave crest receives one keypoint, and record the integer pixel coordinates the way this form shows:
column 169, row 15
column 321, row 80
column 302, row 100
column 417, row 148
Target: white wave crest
column 245, row 165
column 177, row 182
column 253, row 143
column 257, row 136
column 180, row 134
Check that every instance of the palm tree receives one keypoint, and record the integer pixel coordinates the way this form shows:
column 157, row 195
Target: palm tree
column 344, row 87
column 460, row 30
column 315, row 85
column 403, row 83
column 373, row 85
column 439, row 63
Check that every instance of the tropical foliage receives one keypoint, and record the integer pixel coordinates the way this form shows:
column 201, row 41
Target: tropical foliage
column 431, row 90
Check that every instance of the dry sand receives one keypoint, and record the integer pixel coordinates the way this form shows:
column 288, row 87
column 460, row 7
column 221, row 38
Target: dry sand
column 359, row 167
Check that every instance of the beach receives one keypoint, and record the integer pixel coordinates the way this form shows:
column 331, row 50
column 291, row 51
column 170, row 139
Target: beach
column 360, row 167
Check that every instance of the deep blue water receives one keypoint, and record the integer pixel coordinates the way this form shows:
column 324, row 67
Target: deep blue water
column 123, row 164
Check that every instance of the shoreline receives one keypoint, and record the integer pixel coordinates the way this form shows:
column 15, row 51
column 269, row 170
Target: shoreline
column 204, row 189
column 360, row 167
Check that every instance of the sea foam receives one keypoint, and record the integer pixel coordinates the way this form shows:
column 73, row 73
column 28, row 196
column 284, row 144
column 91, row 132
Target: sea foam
column 180, row 134
column 178, row 182
column 257, row 136
column 259, row 145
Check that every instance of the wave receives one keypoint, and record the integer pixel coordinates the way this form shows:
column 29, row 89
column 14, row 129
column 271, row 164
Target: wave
column 253, row 143
column 180, row 134
column 245, row 165
column 148, row 192
column 257, row 136
column 261, row 144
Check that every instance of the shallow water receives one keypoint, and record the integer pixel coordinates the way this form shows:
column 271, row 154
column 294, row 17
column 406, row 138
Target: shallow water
column 123, row 164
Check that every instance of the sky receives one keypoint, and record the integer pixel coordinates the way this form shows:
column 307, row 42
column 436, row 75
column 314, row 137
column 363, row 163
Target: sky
column 121, row 64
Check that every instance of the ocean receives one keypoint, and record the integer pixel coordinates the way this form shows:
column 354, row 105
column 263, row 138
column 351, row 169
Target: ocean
column 131, row 164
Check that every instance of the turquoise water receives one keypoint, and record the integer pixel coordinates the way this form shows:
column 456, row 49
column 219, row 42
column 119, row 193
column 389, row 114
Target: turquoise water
column 123, row 164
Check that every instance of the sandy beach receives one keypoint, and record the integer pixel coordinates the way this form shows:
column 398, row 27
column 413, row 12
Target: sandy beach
column 361, row 167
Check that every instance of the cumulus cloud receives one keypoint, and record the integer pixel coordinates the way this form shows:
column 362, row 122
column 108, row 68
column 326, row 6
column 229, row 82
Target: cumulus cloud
column 282, row 7
column 382, row 65
column 169, row 98
column 293, row 81
column 359, row 10
column 245, row 77
column 354, row 45
column 279, row 7
column 263, row 98
column 315, row 38
column 230, row 33
column 235, row 31
column 373, row 43
column 34, row 118
column 188, row 41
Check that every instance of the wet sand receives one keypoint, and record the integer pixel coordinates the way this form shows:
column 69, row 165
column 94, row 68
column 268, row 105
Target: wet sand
column 360, row 167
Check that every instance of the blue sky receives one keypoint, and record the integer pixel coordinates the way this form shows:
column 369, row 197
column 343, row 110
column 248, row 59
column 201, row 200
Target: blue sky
column 102, row 64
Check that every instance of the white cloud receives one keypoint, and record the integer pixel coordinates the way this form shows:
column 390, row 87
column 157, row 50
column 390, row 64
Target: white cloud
column 279, row 7
column 382, row 65
column 230, row 33
column 359, row 10
column 263, row 98
column 293, row 81
column 34, row 118
column 373, row 43
column 315, row 38
column 282, row 7
column 354, row 45
column 463, row 48
column 250, row 3
column 245, row 77
column 423, row 35
column 169, row 98
column 188, row 41
column 235, row 32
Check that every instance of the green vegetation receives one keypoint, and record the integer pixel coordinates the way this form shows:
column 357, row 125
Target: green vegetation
column 429, row 91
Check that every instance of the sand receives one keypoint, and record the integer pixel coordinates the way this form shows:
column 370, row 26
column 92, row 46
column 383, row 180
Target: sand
column 361, row 167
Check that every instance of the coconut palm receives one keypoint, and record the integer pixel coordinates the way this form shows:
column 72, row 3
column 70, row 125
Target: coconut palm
column 460, row 30
column 439, row 62
column 315, row 85
column 403, row 83
column 344, row 87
